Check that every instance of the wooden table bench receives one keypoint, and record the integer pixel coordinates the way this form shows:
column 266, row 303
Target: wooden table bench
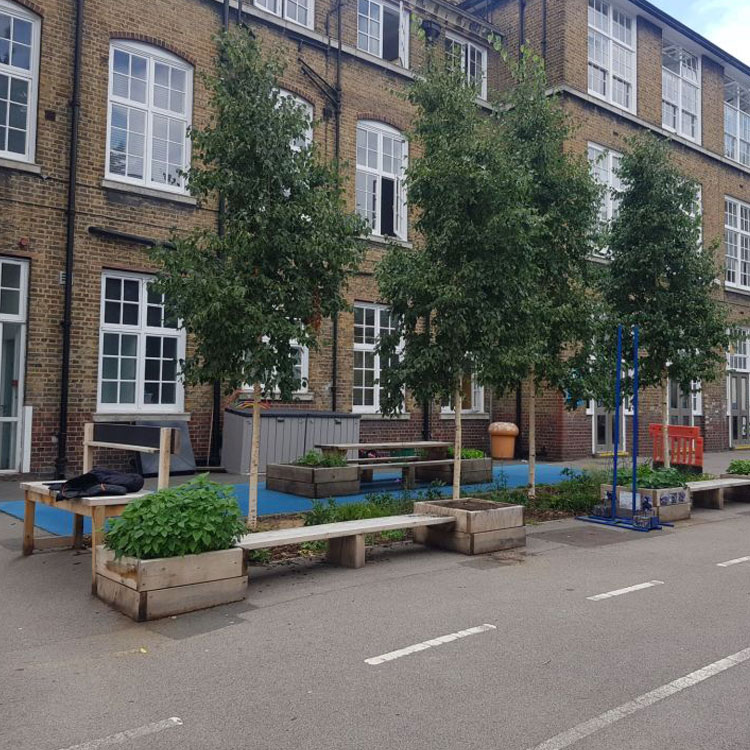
column 709, row 493
column 98, row 509
column 346, row 539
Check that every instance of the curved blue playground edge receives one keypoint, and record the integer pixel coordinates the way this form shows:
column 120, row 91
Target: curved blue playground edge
column 271, row 502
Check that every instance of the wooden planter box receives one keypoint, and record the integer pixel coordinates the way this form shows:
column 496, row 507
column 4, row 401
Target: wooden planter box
column 670, row 503
column 311, row 482
column 150, row 589
column 480, row 525
column 473, row 471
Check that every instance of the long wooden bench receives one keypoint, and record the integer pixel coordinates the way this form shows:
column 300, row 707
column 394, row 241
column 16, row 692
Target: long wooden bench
column 709, row 493
column 346, row 539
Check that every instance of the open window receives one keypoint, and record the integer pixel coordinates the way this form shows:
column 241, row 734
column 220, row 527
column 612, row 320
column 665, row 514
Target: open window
column 383, row 30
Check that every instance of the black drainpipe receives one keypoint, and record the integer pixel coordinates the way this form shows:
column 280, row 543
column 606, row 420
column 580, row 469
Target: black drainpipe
column 336, row 154
column 521, row 24
column 544, row 31
column 214, row 453
column 75, row 113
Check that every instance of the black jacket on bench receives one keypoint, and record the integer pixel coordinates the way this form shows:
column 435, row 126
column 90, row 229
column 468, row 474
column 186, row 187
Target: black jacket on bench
column 99, row 482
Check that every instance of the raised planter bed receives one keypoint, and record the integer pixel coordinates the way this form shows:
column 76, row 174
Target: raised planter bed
column 473, row 471
column 670, row 503
column 480, row 525
column 309, row 481
column 150, row 589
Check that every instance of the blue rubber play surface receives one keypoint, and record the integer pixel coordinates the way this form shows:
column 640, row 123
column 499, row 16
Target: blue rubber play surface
column 271, row 502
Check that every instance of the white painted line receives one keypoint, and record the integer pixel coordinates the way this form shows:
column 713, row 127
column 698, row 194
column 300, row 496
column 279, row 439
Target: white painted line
column 736, row 561
column 129, row 734
column 587, row 728
column 620, row 592
column 439, row 641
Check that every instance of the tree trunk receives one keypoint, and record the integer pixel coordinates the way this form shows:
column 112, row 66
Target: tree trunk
column 457, row 441
column 665, row 420
column 532, row 436
column 252, row 508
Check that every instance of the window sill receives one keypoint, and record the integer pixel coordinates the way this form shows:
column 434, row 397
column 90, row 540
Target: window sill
column 478, row 416
column 745, row 292
column 376, row 417
column 380, row 240
column 20, row 166
column 165, row 195
column 142, row 417
column 276, row 399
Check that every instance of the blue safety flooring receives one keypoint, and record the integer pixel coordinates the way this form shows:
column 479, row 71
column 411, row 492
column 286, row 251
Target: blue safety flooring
column 272, row 502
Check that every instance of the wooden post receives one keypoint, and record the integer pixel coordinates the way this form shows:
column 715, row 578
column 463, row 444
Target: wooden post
column 532, row 436
column 457, row 441
column 252, row 508
column 88, row 450
column 165, row 448
column 77, row 531
column 665, row 420
column 28, row 524
column 98, row 520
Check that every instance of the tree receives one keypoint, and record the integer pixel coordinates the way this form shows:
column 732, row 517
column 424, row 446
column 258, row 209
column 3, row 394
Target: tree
column 660, row 277
column 564, row 198
column 454, row 295
column 287, row 245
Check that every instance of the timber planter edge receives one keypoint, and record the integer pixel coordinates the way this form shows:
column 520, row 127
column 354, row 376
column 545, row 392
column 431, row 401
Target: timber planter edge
column 669, row 503
column 473, row 471
column 309, row 481
column 150, row 589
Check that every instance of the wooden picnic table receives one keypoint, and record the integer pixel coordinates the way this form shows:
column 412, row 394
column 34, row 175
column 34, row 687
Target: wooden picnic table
column 98, row 509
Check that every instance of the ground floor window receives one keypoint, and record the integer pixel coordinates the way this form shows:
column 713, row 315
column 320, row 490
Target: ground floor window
column 472, row 398
column 140, row 347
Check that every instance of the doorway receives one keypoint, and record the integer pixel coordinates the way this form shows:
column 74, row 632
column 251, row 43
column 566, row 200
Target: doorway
column 738, row 407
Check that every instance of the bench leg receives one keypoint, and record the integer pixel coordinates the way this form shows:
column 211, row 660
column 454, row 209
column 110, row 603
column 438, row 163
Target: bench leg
column 77, row 531
column 410, row 477
column 365, row 475
column 28, row 526
column 98, row 520
column 709, row 499
column 347, row 551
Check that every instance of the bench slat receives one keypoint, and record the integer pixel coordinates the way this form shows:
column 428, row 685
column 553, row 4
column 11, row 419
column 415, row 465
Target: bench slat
column 278, row 537
column 716, row 484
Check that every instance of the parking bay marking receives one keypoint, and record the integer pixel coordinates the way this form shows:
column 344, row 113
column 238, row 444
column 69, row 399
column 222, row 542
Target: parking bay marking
column 587, row 728
column 736, row 561
column 129, row 734
column 620, row 592
column 439, row 641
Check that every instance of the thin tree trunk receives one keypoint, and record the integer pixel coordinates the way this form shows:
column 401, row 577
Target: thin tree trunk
column 532, row 436
column 457, row 442
column 665, row 420
column 252, row 508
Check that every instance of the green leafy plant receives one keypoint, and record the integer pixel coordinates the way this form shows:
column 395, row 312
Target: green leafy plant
column 739, row 466
column 649, row 477
column 321, row 460
column 200, row 516
column 467, row 453
column 375, row 505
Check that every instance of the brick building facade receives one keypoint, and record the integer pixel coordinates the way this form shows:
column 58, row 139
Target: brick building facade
column 140, row 88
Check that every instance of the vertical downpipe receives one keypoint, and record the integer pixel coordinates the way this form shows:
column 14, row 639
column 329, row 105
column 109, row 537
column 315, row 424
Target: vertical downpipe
column 337, row 157
column 75, row 112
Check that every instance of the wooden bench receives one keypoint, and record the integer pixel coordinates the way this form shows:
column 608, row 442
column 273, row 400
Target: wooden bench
column 408, row 469
column 346, row 539
column 709, row 493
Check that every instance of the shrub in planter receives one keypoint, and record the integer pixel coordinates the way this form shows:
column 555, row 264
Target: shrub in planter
column 320, row 460
column 739, row 466
column 172, row 552
column 200, row 516
column 314, row 475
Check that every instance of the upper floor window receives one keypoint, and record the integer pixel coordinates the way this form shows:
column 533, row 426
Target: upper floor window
column 381, row 160
column 150, row 105
column 306, row 139
column 737, row 355
column 468, row 58
column 681, row 92
column 370, row 323
column 737, row 122
column 139, row 349
column 611, row 54
column 19, row 80
column 297, row 11
column 737, row 240
column 605, row 164
column 383, row 30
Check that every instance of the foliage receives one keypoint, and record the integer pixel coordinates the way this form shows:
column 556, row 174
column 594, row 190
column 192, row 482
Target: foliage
column 200, row 516
column 660, row 278
column 322, row 460
column 375, row 505
column 287, row 243
column 649, row 477
column 739, row 466
column 467, row 453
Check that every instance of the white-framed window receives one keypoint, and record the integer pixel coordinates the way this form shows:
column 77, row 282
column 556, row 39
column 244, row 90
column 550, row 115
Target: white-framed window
column 696, row 398
column 381, row 162
column 371, row 321
column 469, row 58
column 150, row 109
column 301, row 368
column 296, row 11
column 309, row 112
column 612, row 58
column 605, row 164
column 472, row 398
column 737, row 122
column 681, row 91
column 19, row 80
column 737, row 356
column 383, row 30
column 140, row 348
column 737, row 242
